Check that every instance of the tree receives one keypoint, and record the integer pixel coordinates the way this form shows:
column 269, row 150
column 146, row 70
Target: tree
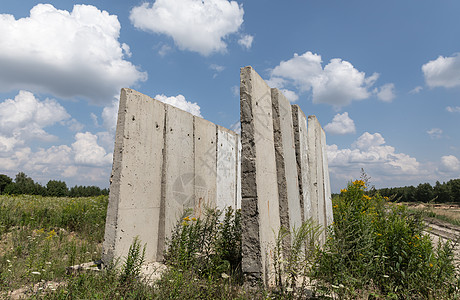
column 4, row 181
column 56, row 188
column 424, row 192
column 24, row 184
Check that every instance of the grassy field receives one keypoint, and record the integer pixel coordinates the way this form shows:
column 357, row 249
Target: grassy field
column 445, row 212
column 374, row 249
column 41, row 236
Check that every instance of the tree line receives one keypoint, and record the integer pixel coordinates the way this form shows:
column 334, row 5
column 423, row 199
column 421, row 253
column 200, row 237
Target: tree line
column 424, row 192
column 23, row 184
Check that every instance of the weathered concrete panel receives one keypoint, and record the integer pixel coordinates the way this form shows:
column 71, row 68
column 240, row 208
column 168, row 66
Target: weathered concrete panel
column 312, row 168
column 260, row 206
column 227, row 149
column 317, row 168
column 238, row 175
column 178, row 170
column 205, row 165
column 286, row 165
column 301, row 146
column 327, row 183
column 135, row 192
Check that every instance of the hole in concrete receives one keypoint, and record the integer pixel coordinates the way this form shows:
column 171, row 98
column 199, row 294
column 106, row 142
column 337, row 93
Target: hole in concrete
column 156, row 125
column 257, row 103
column 199, row 138
column 134, row 118
column 170, row 129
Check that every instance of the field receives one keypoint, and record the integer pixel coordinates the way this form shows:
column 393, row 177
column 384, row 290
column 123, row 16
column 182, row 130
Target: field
column 40, row 237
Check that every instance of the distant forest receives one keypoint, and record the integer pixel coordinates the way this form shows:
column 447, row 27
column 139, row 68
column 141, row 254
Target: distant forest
column 446, row 192
column 23, row 184
column 424, row 192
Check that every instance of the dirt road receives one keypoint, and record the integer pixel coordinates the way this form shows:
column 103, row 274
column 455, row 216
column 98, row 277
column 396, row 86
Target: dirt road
column 440, row 230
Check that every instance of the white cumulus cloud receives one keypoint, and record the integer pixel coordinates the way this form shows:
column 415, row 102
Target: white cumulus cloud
column 246, row 41
column 449, row 164
column 25, row 117
column 435, row 133
column 88, row 152
column 453, row 109
column 196, row 25
column 67, row 54
column 443, row 71
column 386, row 92
column 371, row 153
column 179, row 101
column 341, row 124
column 338, row 83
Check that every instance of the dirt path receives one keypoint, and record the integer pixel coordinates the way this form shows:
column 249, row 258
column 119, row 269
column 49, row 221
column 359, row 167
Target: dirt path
column 440, row 230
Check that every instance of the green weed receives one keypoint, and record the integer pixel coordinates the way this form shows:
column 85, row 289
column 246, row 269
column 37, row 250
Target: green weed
column 379, row 247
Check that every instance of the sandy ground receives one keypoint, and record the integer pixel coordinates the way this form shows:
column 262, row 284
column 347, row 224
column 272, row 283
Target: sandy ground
column 440, row 230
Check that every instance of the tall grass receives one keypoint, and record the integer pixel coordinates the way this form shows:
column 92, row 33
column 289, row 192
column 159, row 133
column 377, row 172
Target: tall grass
column 41, row 236
column 379, row 248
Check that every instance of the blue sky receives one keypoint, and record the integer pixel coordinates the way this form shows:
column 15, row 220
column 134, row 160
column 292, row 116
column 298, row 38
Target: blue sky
column 383, row 78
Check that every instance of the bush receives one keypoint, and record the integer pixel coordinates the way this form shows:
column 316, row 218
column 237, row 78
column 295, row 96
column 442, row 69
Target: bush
column 380, row 247
column 203, row 257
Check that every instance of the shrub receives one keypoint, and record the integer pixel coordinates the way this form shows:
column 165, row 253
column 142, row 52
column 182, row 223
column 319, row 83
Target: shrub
column 380, row 247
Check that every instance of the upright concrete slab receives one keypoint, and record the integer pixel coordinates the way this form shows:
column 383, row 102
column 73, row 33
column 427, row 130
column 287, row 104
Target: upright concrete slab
column 327, row 183
column 205, row 165
column 238, row 175
column 312, row 168
column 178, row 171
column 135, row 192
column 314, row 131
column 286, row 165
column 259, row 203
column 227, row 151
column 301, row 147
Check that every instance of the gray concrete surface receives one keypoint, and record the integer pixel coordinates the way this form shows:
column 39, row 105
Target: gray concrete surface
column 286, row 164
column 301, row 148
column 259, row 204
column 205, row 165
column 135, row 193
column 227, row 151
column 327, row 184
column 167, row 161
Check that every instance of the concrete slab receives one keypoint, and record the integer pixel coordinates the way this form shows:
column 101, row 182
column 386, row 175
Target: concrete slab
column 301, row 147
column 327, row 183
column 227, row 149
column 312, row 167
column 318, row 158
column 205, row 165
column 135, row 193
column 238, row 175
column 259, row 204
column 178, row 172
column 286, row 164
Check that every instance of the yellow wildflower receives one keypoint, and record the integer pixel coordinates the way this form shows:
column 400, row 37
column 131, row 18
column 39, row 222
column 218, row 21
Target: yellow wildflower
column 359, row 183
column 184, row 223
column 366, row 197
column 186, row 219
column 343, row 190
column 193, row 219
column 431, row 265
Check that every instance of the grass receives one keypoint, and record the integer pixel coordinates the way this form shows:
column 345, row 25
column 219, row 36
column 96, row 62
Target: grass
column 374, row 249
column 41, row 236
column 379, row 248
column 445, row 212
